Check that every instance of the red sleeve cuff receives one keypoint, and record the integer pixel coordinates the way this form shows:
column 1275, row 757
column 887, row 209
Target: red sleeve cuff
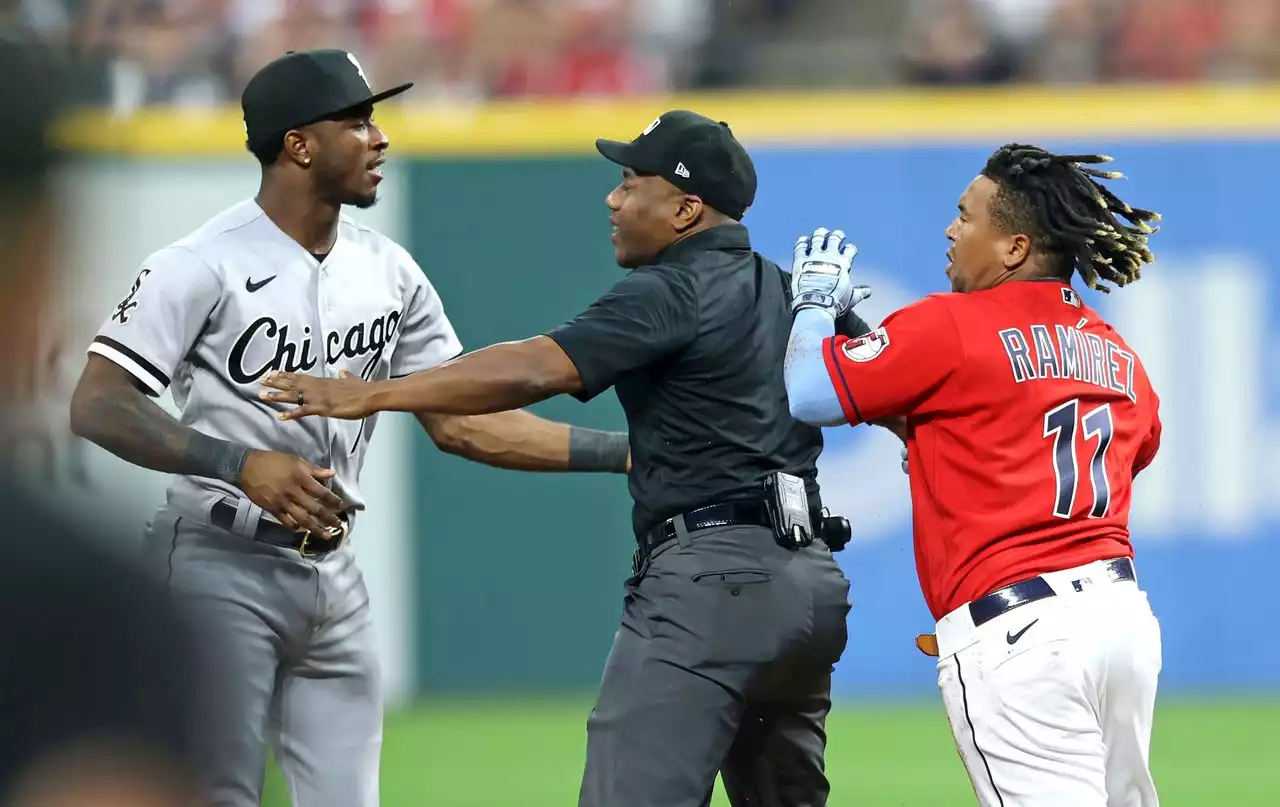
column 830, row 354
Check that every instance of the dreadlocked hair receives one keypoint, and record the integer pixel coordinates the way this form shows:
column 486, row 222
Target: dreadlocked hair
column 1069, row 215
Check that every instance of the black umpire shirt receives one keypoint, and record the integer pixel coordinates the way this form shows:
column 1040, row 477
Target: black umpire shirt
column 694, row 343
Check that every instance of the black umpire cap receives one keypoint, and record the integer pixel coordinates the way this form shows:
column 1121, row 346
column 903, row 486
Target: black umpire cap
column 304, row 87
column 698, row 155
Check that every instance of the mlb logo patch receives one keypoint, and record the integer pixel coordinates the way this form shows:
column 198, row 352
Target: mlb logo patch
column 867, row 347
column 1070, row 297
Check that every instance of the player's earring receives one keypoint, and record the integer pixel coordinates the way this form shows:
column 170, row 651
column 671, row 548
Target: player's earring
column 306, row 160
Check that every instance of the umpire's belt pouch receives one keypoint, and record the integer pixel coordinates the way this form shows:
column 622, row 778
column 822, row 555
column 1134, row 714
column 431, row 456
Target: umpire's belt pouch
column 788, row 504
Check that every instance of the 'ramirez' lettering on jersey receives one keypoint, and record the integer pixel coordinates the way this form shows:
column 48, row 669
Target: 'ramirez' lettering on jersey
column 1027, row 418
column 1064, row 351
column 212, row 313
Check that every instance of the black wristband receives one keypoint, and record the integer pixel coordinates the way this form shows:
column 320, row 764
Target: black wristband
column 214, row 458
column 594, row 450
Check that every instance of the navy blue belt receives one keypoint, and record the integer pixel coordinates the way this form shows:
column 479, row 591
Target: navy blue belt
column 1002, row 601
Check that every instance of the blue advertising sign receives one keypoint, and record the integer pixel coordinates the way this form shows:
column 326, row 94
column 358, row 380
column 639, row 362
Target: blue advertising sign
column 1203, row 318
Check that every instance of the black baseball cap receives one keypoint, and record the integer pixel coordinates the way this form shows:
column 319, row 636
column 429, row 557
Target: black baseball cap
column 303, row 87
column 696, row 154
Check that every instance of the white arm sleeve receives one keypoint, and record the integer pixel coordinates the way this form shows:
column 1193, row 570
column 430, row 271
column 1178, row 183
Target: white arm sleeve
column 151, row 330
column 427, row 337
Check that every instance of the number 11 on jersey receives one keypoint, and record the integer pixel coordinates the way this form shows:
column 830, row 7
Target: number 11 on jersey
column 1060, row 424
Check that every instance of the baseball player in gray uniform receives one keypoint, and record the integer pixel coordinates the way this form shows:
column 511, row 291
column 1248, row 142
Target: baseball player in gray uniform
column 257, row 524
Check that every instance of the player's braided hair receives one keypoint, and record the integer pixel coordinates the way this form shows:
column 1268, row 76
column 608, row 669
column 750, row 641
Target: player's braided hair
column 1069, row 215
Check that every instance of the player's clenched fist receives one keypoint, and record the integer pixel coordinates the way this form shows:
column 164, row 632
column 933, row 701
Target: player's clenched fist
column 291, row 489
column 820, row 273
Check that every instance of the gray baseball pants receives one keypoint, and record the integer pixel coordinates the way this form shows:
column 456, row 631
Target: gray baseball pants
column 302, row 633
column 722, row 664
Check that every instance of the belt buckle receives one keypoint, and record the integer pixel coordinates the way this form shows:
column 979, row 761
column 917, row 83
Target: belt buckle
column 334, row 535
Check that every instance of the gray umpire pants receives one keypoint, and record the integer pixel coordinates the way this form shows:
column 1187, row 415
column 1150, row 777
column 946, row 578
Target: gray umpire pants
column 722, row 664
column 302, row 633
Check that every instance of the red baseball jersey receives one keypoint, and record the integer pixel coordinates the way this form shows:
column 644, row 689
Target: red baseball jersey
column 1027, row 418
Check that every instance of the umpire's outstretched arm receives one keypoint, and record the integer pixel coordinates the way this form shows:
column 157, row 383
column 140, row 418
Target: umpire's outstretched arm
column 498, row 378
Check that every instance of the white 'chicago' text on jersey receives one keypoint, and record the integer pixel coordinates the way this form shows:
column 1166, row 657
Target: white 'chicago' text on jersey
column 213, row 312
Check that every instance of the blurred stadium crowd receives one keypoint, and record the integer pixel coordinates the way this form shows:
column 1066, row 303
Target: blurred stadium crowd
column 200, row 52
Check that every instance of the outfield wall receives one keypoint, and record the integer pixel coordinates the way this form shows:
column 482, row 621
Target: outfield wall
column 516, row 579
column 1203, row 319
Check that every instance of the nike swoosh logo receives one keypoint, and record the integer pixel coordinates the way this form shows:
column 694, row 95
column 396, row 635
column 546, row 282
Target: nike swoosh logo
column 251, row 287
column 1012, row 638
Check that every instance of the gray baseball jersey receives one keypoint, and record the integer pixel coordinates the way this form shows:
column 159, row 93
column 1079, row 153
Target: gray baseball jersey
column 216, row 310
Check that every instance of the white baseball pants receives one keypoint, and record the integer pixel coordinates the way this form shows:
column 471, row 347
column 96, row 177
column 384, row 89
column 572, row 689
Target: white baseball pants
column 1051, row 703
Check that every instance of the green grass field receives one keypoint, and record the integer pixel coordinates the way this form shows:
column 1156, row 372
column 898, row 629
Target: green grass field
column 529, row 753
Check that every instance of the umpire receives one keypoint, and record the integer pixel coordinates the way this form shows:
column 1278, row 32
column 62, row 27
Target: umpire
column 735, row 616
column 736, row 611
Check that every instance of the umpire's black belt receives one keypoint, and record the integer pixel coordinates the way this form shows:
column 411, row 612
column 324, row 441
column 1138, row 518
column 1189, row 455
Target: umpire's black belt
column 223, row 514
column 1001, row 601
column 728, row 514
